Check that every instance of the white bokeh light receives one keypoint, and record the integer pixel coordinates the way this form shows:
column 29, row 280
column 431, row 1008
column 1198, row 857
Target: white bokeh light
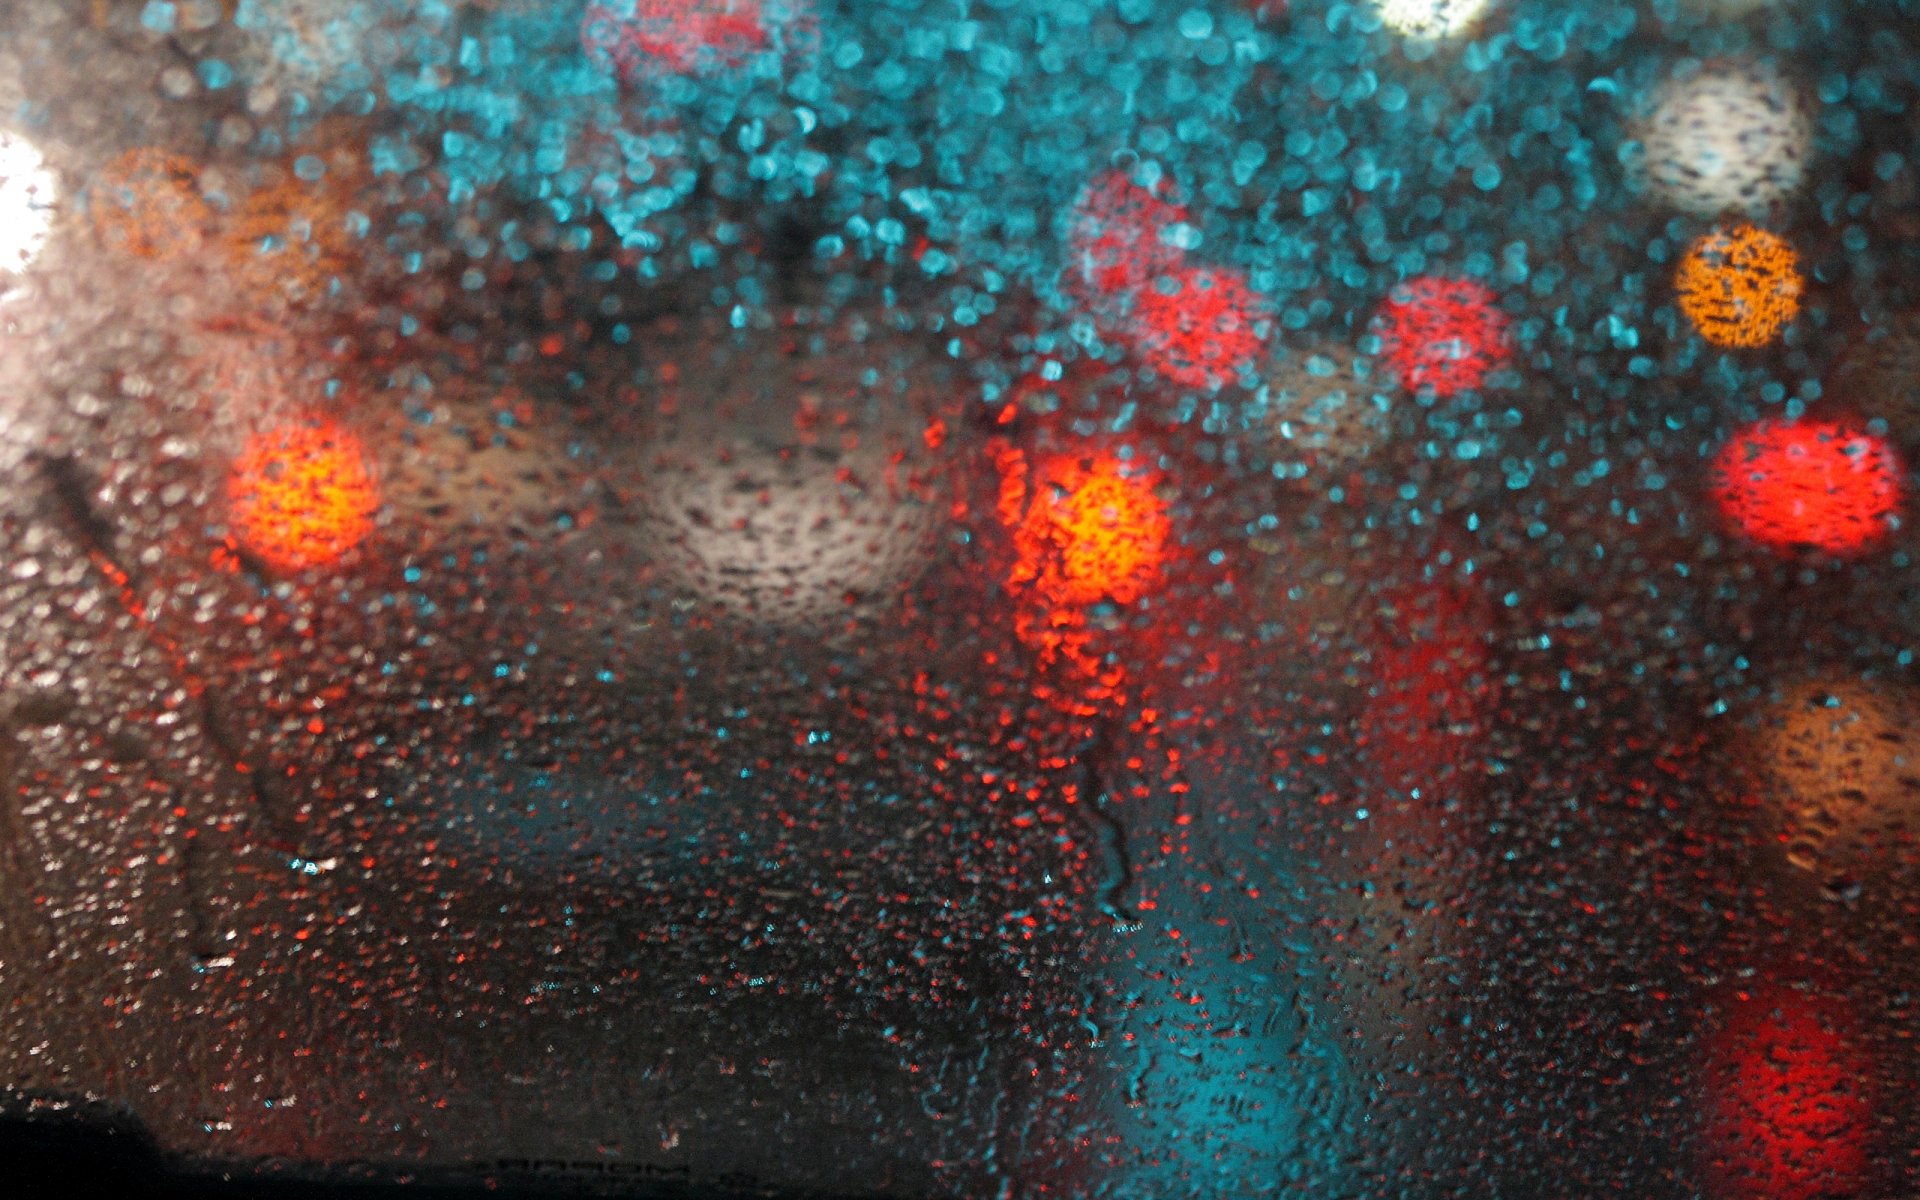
column 793, row 490
column 1431, row 20
column 1732, row 137
column 27, row 195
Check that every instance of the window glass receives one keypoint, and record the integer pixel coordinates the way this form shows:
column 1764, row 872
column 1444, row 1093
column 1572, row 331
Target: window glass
column 1138, row 598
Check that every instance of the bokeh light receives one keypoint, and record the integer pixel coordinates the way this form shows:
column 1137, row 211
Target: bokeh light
column 1084, row 530
column 1820, row 484
column 1087, row 530
column 1732, row 137
column 1840, row 752
column 1441, row 335
column 635, row 37
column 1198, row 326
column 147, row 203
column 794, row 491
column 931, row 573
column 1789, row 1112
column 1116, row 241
column 1431, row 20
column 1739, row 286
column 785, row 538
column 302, row 495
column 28, row 193
column 302, row 229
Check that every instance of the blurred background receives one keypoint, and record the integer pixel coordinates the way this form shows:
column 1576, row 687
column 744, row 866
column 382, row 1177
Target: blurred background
column 991, row 598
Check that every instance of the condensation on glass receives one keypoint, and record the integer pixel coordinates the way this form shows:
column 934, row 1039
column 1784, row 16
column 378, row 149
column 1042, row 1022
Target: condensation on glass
column 1139, row 598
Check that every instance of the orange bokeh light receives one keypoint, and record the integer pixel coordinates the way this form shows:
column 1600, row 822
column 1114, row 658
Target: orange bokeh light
column 1085, row 530
column 302, row 495
column 1739, row 286
column 294, row 236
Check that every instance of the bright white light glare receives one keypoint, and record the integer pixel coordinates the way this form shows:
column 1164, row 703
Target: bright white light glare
column 27, row 195
column 1734, row 137
column 1431, row 20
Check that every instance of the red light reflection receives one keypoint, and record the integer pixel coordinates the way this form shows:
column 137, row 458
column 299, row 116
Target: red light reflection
column 1827, row 485
column 1789, row 1110
column 679, row 36
column 1086, row 530
column 1445, row 335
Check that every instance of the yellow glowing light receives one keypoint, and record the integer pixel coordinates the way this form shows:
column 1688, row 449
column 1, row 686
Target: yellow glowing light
column 1093, row 532
column 302, row 495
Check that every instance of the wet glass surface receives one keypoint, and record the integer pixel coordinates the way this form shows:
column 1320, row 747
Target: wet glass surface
column 1131, row 598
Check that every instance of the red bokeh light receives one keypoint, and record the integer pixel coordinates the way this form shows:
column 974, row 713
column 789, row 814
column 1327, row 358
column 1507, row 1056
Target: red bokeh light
column 1443, row 335
column 302, row 495
column 1115, row 240
column 1827, row 485
column 678, row 36
column 1789, row 1110
column 1086, row 530
column 1200, row 332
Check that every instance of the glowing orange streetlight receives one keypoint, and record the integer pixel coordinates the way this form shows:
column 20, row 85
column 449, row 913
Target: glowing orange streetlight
column 1086, row 531
column 302, row 495
column 1739, row 286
